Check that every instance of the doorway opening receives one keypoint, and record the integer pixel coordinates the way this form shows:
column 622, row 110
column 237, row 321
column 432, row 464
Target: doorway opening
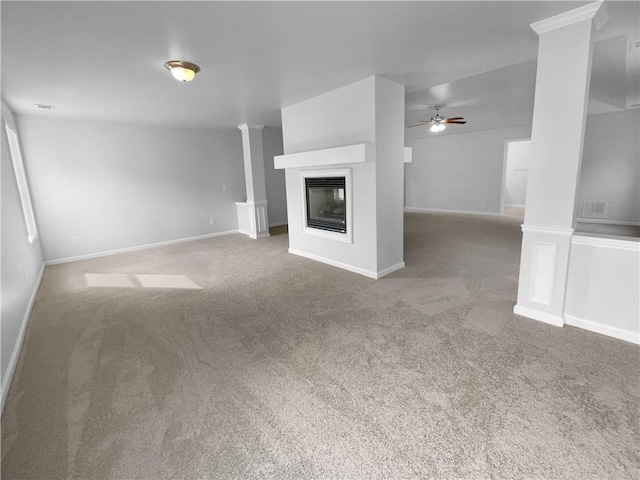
column 517, row 155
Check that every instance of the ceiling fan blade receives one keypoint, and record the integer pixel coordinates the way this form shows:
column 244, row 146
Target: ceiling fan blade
column 457, row 122
column 453, row 118
column 419, row 125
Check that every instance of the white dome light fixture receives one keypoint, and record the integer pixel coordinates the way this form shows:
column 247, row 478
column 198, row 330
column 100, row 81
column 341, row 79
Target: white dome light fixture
column 181, row 70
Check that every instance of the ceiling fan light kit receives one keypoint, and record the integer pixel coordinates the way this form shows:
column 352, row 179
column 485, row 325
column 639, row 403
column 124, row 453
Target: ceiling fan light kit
column 438, row 122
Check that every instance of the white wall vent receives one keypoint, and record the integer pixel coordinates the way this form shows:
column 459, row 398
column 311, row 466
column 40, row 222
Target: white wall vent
column 594, row 209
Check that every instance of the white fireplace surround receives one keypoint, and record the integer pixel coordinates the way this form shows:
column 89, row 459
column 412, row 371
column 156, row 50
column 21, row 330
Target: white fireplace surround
column 348, row 197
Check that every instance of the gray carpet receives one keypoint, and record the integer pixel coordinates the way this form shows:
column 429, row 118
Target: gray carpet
column 230, row 358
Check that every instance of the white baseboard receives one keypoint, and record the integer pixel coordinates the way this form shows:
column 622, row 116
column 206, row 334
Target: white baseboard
column 334, row 263
column 554, row 320
column 390, row 269
column 139, row 247
column 262, row 235
column 278, row 224
column 350, row 268
column 15, row 354
column 608, row 330
column 516, row 205
column 439, row 210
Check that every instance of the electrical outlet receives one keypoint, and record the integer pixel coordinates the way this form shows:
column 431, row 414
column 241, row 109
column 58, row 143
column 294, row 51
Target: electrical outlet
column 212, row 221
column 76, row 240
column 224, row 187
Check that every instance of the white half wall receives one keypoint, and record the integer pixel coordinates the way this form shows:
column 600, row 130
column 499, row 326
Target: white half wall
column 611, row 164
column 460, row 172
column 118, row 186
column 21, row 263
column 603, row 286
column 276, row 187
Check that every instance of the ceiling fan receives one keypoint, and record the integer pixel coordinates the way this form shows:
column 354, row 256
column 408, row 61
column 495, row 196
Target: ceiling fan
column 438, row 122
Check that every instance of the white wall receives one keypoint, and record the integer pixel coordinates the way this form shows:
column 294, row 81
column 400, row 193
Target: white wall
column 341, row 117
column 460, row 172
column 515, row 185
column 611, row 164
column 370, row 111
column 603, row 285
column 389, row 173
column 118, row 186
column 21, row 263
column 276, row 187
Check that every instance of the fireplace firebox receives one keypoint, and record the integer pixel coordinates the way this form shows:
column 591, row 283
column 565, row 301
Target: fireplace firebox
column 326, row 203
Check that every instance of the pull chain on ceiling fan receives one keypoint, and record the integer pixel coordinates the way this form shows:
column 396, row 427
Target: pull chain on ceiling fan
column 438, row 122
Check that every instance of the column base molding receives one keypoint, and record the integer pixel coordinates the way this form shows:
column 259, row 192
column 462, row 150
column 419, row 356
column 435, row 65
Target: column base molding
column 555, row 320
column 252, row 219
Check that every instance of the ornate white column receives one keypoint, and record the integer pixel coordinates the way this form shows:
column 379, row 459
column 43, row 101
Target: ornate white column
column 559, row 116
column 253, row 219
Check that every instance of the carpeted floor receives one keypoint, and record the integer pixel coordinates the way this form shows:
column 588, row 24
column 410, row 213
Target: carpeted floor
column 230, row 358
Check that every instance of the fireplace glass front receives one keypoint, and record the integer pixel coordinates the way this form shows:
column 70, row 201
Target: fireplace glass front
column 326, row 203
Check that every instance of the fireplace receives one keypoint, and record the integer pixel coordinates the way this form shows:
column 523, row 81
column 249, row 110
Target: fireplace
column 326, row 203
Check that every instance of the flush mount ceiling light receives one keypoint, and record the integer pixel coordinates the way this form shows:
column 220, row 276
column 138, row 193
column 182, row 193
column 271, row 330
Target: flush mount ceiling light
column 181, row 70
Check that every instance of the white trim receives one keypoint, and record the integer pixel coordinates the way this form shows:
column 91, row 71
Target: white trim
column 503, row 179
column 358, row 153
column 601, row 242
column 248, row 203
column 247, row 126
column 350, row 268
column 543, row 267
column 549, row 318
column 386, row 271
column 262, row 235
column 565, row 19
column 334, row 263
column 138, row 247
column 441, row 210
column 15, row 355
column 518, row 205
column 565, row 232
column 607, row 222
column 278, row 224
column 608, row 330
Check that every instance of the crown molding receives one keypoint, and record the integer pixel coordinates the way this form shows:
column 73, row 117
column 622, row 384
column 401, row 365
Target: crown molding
column 576, row 15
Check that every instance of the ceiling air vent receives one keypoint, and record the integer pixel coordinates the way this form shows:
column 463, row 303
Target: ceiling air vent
column 42, row 106
column 594, row 209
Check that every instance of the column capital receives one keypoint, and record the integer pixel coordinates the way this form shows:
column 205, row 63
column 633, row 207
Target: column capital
column 576, row 15
column 247, row 126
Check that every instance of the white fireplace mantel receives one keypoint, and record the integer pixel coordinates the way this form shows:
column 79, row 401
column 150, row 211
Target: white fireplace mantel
column 358, row 153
